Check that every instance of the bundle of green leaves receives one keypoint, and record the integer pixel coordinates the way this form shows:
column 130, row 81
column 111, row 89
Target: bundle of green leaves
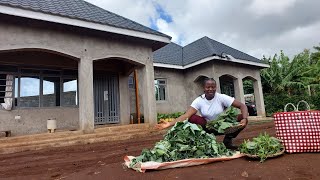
column 184, row 140
column 262, row 146
column 172, row 115
column 224, row 121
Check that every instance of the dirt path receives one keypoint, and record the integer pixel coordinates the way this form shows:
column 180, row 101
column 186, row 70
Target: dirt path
column 104, row 161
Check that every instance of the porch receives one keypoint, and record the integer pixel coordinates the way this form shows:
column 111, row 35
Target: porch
column 39, row 84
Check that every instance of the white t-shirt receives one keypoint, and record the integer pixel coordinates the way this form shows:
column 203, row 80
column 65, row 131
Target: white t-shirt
column 210, row 109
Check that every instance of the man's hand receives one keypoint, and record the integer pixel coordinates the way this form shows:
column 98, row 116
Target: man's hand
column 163, row 125
column 244, row 122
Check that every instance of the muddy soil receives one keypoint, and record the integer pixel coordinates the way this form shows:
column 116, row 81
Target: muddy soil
column 104, row 161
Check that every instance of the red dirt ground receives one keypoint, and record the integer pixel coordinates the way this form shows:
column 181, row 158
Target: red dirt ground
column 104, row 161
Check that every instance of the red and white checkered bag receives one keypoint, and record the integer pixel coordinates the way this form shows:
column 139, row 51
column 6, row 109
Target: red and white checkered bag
column 298, row 130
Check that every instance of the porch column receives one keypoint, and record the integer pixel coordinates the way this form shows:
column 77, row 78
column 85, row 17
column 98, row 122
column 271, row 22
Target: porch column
column 238, row 89
column 216, row 78
column 86, row 109
column 146, row 88
column 258, row 95
column 124, row 99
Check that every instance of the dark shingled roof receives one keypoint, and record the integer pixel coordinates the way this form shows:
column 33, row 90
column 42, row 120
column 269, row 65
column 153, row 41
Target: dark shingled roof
column 170, row 54
column 197, row 50
column 82, row 10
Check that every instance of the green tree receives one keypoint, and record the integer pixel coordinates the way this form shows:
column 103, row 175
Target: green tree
column 248, row 86
column 285, row 76
column 315, row 56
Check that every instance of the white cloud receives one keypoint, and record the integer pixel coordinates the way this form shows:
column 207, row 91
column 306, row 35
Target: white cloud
column 270, row 7
column 289, row 25
column 165, row 28
column 140, row 10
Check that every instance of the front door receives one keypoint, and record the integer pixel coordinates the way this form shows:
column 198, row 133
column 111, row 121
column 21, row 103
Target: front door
column 106, row 98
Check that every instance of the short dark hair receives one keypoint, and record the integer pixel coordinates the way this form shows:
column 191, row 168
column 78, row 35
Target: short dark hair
column 208, row 79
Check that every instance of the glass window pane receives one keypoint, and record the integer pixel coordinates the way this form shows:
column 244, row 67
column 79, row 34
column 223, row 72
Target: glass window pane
column 70, row 92
column 162, row 93
column 160, row 89
column 29, row 91
column 131, row 82
column 51, row 92
column 156, row 89
column 16, row 85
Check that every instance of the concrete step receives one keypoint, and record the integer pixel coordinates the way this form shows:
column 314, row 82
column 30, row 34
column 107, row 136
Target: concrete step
column 69, row 137
column 81, row 140
column 114, row 128
column 100, row 129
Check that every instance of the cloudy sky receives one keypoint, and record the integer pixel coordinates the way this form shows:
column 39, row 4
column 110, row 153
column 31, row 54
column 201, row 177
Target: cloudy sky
column 257, row 27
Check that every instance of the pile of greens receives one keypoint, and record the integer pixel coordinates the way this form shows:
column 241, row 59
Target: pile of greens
column 225, row 120
column 184, row 140
column 262, row 146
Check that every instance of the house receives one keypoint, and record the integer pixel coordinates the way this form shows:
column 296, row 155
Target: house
column 180, row 71
column 71, row 61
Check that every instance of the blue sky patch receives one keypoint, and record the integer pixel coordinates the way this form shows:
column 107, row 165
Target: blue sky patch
column 163, row 14
column 153, row 24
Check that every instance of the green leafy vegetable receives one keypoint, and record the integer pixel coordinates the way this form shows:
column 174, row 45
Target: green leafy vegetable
column 224, row 121
column 184, row 140
column 262, row 146
column 172, row 115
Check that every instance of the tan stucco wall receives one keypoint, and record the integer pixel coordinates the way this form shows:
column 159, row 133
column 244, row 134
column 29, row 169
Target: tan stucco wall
column 176, row 91
column 191, row 74
column 78, row 45
column 215, row 69
column 235, row 70
column 86, row 48
column 35, row 120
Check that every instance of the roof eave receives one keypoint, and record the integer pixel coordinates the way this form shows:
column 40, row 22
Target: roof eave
column 80, row 23
column 257, row 64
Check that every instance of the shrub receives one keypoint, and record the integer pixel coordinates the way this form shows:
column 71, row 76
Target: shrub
column 276, row 103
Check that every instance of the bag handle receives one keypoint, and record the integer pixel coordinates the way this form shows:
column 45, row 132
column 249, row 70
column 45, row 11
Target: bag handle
column 294, row 107
column 305, row 102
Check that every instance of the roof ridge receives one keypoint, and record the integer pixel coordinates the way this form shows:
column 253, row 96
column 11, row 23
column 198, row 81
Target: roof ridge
column 207, row 40
column 182, row 56
column 193, row 42
column 176, row 44
column 232, row 48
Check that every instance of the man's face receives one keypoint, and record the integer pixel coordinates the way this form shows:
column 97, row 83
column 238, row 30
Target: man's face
column 210, row 89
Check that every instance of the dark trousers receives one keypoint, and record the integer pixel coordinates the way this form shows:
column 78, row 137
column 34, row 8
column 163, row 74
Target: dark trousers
column 195, row 119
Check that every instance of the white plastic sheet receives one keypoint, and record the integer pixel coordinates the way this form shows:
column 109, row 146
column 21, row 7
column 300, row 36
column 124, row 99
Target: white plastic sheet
column 142, row 167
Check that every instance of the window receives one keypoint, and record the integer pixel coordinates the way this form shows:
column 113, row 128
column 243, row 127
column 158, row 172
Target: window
column 70, row 92
column 160, row 89
column 51, row 92
column 131, row 82
column 29, row 91
column 38, row 87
